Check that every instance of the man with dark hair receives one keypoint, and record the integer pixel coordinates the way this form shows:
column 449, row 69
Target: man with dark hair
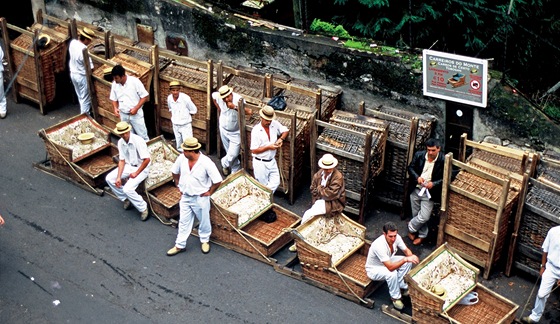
column 382, row 263
column 426, row 179
column 128, row 95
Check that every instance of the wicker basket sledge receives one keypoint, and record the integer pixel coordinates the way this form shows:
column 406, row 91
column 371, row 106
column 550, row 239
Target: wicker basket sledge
column 236, row 207
column 83, row 163
column 444, row 267
column 333, row 251
column 477, row 208
column 158, row 188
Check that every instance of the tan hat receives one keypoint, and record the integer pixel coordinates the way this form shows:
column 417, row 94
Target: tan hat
column 190, row 144
column 225, row 91
column 267, row 113
column 43, row 40
column 122, row 127
column 439, row 291
column 87, row 33
column 328, row 161
column 174, row 84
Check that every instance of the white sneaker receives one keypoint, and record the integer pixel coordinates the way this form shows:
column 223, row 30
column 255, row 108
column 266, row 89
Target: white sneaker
column 2, row 115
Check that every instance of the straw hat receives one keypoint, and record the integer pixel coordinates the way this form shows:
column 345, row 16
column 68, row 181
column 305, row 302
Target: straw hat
column 107, row 74
column 190, row 144
column 86, row 138
column 225, row 91
column 87, row 33
column 267, row 113
column 43, row 40
column 439, row 291
column 174, row 84
column 328, row 161
column 122, row 127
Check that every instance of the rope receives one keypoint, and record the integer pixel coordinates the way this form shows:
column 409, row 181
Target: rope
column 280, row 160
column 162, row 220
column 238, row 232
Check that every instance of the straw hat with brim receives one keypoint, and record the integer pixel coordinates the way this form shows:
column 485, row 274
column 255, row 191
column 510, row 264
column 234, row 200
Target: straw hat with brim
column 87, row 33
column 122, row 127
column 328, row 161
column 267, row 113
column 174, row 84
column 43, row 40
column 190, row 144
column 86, row 138
column 439, row 291
column 225, row 91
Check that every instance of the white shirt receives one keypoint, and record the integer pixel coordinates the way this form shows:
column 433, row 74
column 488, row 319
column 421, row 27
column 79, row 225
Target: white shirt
column 259, row 138
column 76, row 63
column 380, row 252
column 551, row 245
column 228, row 117
column 134, row 151
column 427, row 170
column 182, row 109
column 1, row 58
column 129, row 94
column 198, row 180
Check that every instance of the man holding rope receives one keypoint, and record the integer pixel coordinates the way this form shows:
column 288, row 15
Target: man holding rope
column 550, row 273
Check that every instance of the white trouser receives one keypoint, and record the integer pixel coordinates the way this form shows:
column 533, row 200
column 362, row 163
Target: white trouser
column 267, row 173
column 181, row 133
column 232, row 145
column 80, row 85
column 128, row 190
column 191, row 206
column 318, row 208
column 3, row 104
column 395, row 279
column 137, row 122
column 549, row 278
column 421, row 207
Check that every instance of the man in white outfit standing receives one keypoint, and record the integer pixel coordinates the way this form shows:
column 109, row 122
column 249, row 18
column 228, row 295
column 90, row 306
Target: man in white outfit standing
column 182, row 108
column 3, row 103
column 78, row 68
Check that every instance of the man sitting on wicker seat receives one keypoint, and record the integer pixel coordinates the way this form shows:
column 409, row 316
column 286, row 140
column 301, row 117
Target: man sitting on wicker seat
column 382, row 263
column 134, row 161
column 426, row 179
column 550, row 273
column 328, row 192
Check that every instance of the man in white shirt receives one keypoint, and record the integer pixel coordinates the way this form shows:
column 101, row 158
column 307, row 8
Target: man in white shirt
column 3, row 103
column 128, row 95
column 382, row 263
column 227, row 103
column 426, row 180
column 196, row 177
column 182, row 108
column 266, row 138
column 133, row 167
column 549, row 272
column 78, row 69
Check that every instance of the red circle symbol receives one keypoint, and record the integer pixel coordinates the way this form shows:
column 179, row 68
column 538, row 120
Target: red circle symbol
column 475, row 84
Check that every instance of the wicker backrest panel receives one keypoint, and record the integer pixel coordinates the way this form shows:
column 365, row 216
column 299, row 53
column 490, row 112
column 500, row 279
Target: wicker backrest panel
column 247, row 87
column 161, row 161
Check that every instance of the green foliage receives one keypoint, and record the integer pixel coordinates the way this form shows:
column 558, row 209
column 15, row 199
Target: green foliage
column 328, row 29
column 552, row 111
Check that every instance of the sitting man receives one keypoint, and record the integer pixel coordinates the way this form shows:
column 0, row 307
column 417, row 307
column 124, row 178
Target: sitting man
column 328, row 193
column 134, row 161
column 382, row 263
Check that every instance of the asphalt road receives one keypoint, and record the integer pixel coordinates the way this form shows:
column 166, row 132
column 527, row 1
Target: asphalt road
column 70, row 256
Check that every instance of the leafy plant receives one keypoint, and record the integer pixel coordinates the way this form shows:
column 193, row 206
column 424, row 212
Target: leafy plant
column 328, row 29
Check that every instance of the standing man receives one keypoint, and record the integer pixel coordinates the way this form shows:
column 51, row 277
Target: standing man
column 78, row 69
column 128, row 95
column 133, row 167
column 382, row 263
column 3, row 103
column 266, row 138
column 550, row 273
column 426, row 179
column 181, row 107
column 196, row 177
column 328, row 193
column 227, row 103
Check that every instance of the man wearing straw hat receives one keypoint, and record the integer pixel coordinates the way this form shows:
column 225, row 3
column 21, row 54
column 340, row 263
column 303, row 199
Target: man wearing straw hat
column 266, row 138
column 181, row 107
column 328, row 192
column 3, row 102
column 549, row 272
column 227, row 103
column 196, row 177
column 382, row 263
column 133, row 166
column 128, row 96
column 78, row 69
